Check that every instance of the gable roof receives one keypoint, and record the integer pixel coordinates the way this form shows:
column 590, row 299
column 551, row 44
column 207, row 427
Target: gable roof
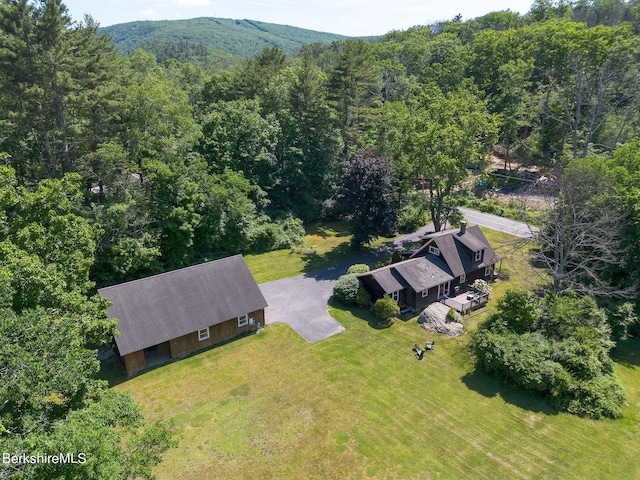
column 389, row 280
column 424, row 270
column 156, row 309
column 473, row 239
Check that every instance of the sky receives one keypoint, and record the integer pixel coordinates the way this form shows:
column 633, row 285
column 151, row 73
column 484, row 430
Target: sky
column 347, row 17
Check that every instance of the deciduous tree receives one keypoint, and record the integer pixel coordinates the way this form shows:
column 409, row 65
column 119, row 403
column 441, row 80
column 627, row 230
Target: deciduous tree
column 365, row 197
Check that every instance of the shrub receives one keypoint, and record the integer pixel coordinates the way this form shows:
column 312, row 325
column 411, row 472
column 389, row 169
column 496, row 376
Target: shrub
column 358, row 268
column 385, row 308
column 520, row 359
column 278, row 235
column 518, row 308
column 600, row 397
column 452, row 315
column 346, row 288
column 363, row 298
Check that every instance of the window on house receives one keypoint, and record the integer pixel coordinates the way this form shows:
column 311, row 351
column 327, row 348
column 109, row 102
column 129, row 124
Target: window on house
column 395, row 296
column 434, row 250
column 243, row 320
column 203, row 334
column 425, row 293
column 487, row 270
column 478, row 256
column 463, row 278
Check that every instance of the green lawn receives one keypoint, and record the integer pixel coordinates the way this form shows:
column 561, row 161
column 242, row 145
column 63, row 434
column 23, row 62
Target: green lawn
column 359, row 405
column 324, row 245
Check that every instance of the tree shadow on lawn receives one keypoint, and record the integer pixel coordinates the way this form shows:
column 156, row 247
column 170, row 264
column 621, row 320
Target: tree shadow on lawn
column 334, row 263
column 627, row 352
column 488, row 386
column 112, row 371
column 328, row 229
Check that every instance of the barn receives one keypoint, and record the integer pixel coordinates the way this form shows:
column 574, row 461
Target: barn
column 170, row 315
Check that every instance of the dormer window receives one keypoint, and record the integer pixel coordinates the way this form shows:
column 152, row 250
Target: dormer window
column 434, row 250
column 478, row 256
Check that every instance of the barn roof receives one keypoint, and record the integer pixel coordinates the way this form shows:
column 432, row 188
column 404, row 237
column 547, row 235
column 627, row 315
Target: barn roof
column 156, row 309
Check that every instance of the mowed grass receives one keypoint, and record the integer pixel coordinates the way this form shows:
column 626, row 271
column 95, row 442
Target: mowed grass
column 324, row 245
column 359, row 405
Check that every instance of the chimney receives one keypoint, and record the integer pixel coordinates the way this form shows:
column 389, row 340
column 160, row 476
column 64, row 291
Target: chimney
column 463, row 227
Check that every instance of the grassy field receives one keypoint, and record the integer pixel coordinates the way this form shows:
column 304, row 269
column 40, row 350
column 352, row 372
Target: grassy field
column 359, row 405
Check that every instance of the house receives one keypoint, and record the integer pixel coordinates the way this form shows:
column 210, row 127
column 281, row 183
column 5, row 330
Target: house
column 175, row 313
column 447, row 263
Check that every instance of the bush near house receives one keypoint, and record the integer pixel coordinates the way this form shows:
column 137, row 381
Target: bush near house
column 346, row 288
column 358, row 268
column 385, row 308
column 363, row 298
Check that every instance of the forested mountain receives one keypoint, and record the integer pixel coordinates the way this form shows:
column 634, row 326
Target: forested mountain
column 241, row 38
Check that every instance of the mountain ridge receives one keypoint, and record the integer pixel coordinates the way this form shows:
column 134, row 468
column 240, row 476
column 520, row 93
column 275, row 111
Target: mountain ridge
column 240, row 38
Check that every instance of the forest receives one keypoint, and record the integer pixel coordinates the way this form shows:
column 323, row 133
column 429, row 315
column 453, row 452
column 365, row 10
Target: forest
column 118, row 166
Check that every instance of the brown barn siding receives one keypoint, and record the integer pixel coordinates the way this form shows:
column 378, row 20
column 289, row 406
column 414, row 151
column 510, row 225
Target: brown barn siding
column 217, row 334
column 134, row 362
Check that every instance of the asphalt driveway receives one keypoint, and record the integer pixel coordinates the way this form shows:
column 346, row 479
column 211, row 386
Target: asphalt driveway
column 301, row 301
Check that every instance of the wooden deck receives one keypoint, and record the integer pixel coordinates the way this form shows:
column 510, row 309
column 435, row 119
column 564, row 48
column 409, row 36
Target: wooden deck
column 463, row 302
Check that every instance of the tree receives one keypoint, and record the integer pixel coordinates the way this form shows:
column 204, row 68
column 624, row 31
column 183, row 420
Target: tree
column 364, row 198
column 52, row 71
column 587, row 84
column 307, row 147
column 353, row 85
column 580, row 241
column 46, row 247
column 51, row 404
column 436, row 138
column 237, row 136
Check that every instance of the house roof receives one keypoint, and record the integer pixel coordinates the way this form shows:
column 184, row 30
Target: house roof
column 424, row 270
column 156, row 309
column 389, row 280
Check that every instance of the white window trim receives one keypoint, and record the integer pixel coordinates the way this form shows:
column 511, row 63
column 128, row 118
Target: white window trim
column 444, row 289
column 487, row 270
column 463, row 278
column 434, row 250
column 478, row 255
column 425, row 293
column 243, row 320
column 395, row 296
column 203, row 334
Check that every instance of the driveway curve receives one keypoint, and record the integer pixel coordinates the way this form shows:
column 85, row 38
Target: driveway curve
column 301, row 301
